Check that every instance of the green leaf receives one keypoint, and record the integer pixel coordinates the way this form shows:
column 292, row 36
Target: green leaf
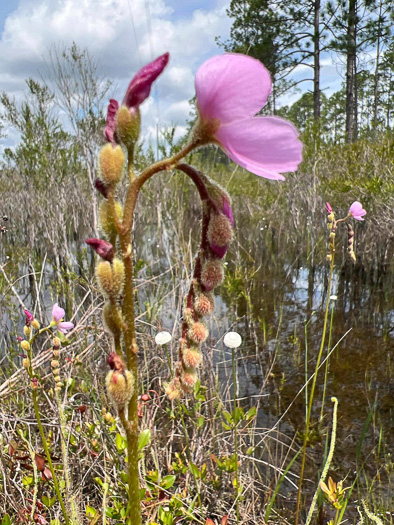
column 200, row 421
column 238, row 414
column 194, row 470
column 90, row 512
column 120, row 442
column 167, row 482
column 143, row 439
column 6, row 520
column 48, row 502
column 251, row 413
column 227, row 416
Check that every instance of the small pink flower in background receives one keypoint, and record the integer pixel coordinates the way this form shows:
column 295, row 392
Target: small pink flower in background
column 139, row 87
column 357, row 211
column 328, row 207
column 57, row 319
column 230, row 90
column 110, row 128
column 103, row 248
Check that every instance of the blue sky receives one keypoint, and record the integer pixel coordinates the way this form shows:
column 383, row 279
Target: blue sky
column 122, row 35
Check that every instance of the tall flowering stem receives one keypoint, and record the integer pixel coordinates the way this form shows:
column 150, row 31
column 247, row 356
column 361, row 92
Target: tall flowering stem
column 244, row 84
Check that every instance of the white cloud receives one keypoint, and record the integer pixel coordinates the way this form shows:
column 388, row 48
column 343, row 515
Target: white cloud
column 122, row 35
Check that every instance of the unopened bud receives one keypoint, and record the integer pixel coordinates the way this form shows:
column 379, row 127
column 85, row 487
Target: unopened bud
column 111, row 277
column 192, row 357
column 188, row 378
column 204, row 304
column 112, row 316
column 198, row 332
column 54, row 363
column 120, row 387
column 35, row 324
column 103, row 248
column 56, row 353
column 26, row 362
column 220, row 232
column 106, row 220
column 25, row 345
column 56, row 343
column 57, row 379
column 27, row 330
column 173, row 389
column 112, row 160
column 56, row 371
column 128, row 125
column 212, row 274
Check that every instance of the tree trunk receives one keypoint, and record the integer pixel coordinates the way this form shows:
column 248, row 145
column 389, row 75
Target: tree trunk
column 316, row 57
column 350, row 72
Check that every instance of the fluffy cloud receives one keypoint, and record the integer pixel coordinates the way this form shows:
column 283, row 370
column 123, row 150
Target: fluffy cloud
column 122, row 35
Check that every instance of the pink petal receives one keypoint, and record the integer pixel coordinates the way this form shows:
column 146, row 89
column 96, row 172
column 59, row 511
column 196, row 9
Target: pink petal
column 232, row 87
column 110, row 128
column 103, row 248
column 29, row 315
column 57, row 313
column 357, row 211
column 139, row 87
column 266, row 146
column 65, row 326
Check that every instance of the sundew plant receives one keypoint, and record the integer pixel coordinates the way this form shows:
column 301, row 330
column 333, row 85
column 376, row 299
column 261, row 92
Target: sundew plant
column 231, row 89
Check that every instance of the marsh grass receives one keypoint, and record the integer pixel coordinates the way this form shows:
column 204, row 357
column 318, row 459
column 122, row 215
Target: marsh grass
column 187, row 463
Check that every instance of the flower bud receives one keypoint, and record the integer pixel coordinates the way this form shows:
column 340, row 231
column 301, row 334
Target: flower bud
column 173, row 389
column 27, row 330
column 192, row 357
column 110, row 319
column 35, row 324
column 204, row 304
column 188, row 378
column 198, row 332
column 54, row 363
column 112, row 160
column 56, row 343
column 128, row 125
column 26, row 362
column 220, row 231
column 120, row 387
column 212, row 274
column 57, row 379
column 106, row 220
column 115, row 362
column 56, row 353
column 56, row 371
column 103, row 248
column 111, row 277
column 25, row 345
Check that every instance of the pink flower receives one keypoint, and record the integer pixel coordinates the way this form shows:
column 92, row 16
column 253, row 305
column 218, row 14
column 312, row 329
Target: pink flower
column 110, row 128
column 139, row 87
column 103, row 248
column 328, row 208
column 230, row 90
column 57, row 319
column 357, row 211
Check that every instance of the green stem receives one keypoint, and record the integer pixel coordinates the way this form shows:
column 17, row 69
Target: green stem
column 131, row 423
column 329, row 459
column 235, row 432
column 326, row 368
column 48, row 456
column 189, row 457
column 308, row 419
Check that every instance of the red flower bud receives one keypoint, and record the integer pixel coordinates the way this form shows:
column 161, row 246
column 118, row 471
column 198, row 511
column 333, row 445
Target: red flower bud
column 102, row 248
column 139, row 87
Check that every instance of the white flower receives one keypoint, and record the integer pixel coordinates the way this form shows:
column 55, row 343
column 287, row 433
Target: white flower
column 232, row 340
column 333, row 297
column 162, row 338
